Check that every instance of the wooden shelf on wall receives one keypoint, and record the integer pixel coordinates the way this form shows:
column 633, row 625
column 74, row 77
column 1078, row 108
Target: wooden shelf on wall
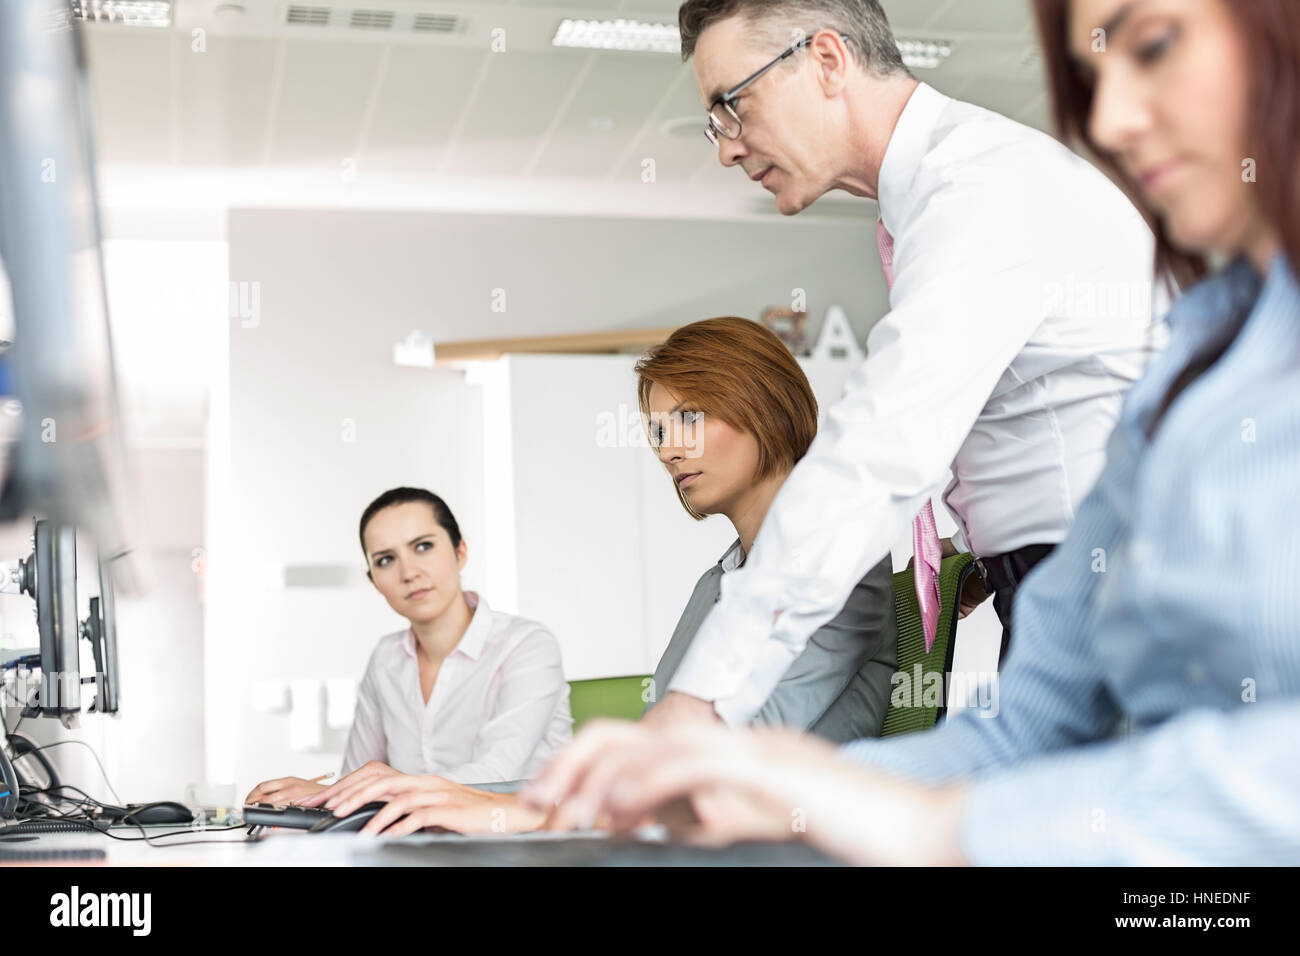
column 595, row 343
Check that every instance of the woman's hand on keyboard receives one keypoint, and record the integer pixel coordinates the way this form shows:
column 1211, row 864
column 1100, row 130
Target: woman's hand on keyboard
column 343, row 787
column 417, row 802
column 283, row 790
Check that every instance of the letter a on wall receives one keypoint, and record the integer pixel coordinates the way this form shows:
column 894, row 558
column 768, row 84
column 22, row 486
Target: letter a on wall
column 836, row 340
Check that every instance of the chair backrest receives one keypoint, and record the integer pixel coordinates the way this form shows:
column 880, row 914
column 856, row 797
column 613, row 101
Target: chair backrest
column 916, row 700
column 606, row 697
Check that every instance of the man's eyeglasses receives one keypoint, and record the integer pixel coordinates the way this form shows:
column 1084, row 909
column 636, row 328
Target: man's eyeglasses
column 723, row 120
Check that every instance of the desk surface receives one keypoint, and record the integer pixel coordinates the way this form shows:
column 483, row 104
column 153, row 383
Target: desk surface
column 297, row 848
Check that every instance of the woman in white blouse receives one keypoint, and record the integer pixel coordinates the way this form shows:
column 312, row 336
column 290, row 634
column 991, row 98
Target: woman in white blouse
column 471, row 694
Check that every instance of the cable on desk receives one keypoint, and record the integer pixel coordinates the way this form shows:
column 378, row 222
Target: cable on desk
column 60, row 743
column 84, row 805
column 50, row 812
column 144, row 837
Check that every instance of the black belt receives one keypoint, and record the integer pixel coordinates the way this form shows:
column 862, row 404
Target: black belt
column 1007, row 570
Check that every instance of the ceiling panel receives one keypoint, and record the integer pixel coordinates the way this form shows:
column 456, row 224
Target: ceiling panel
column 599, row 7
column 613, row 102
column 201, row 77
column 324, row 89
column 1006, row 96
column 516, row 101
column 1039, row 115
column 949, row 84
column 710, row 172
column 911, row 15
column 417, row 105
column 675, row 156
column 658, row 11
column 665, row 11
column 132, row 96
column 987, row 16
column 224, row 97
column 991, row 56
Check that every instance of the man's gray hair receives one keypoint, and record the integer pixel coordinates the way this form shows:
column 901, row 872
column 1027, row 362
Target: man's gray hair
column 778, row 23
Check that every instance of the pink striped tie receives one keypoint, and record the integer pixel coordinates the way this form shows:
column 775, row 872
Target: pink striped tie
column 926, row 551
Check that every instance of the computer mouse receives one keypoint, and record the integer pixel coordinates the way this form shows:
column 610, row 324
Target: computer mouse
column 165, row 811
column 353, row 822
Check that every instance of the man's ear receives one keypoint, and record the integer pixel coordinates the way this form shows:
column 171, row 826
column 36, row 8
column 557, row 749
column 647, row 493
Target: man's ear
column 833, row 59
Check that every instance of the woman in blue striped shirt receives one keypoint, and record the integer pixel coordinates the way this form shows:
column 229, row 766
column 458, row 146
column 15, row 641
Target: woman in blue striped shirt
column 1173, row 601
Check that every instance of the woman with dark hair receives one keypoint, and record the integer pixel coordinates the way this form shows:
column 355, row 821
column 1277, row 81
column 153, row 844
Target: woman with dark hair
column 1172, row 602
column 729, row 412
column 464, row 691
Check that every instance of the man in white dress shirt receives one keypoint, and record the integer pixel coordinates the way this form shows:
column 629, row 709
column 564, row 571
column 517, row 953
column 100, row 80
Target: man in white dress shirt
column 1020, row 314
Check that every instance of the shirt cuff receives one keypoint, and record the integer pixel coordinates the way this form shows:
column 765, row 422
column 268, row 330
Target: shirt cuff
column 959, row 542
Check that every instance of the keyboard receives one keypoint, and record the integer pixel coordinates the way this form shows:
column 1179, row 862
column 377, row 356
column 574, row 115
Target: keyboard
column 584, row 850
column 273, row 815
column 8, row 855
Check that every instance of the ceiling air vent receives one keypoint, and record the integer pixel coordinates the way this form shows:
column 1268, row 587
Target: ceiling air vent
column 308, row 16
column 435, row 23
column 371, row 20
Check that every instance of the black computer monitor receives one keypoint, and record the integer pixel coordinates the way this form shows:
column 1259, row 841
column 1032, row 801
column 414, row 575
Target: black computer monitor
column 50, row 576
column 70, row 462
column 100, row 630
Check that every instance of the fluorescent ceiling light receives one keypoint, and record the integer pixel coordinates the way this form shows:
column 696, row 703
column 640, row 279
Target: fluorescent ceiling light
column 132, row 13
column 924, row 54
column 664, row 38
column 618, row 35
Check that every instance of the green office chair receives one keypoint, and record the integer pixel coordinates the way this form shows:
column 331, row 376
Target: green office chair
column 606, row 697
column 919, row 711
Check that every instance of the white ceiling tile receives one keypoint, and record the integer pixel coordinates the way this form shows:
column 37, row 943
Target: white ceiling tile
column 202, row 111
column 514, row 106
column 986, row 16
column 131, row 94
column 223, row 91
column 622, row 89
column 911, row 15
column 665, row 10
column 610, row 7
column 422, row 95
column 324, row 90
column 1008, row 97
column 993, row 56
column 675, row 155
column 951, row 84
column 1039, row 115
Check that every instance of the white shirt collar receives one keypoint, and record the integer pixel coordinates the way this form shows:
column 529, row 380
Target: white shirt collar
column 472, row 641
column 907, row 147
